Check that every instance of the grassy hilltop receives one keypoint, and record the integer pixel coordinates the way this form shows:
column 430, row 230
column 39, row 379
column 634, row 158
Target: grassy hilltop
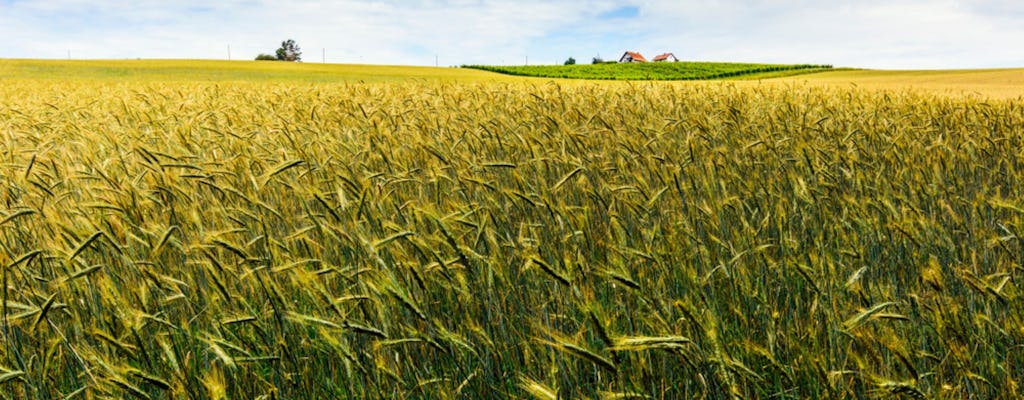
column 214, row 230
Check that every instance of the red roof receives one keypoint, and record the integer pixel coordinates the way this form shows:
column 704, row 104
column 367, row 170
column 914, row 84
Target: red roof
column 663, row 57
column 636, row 56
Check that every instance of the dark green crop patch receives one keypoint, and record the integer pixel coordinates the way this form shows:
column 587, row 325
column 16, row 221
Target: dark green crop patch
column 654, row 71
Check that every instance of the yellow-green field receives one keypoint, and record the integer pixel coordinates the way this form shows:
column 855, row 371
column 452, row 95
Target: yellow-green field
column 989, row 83
column 437, row 233
column 993, row 83
column 158, row 71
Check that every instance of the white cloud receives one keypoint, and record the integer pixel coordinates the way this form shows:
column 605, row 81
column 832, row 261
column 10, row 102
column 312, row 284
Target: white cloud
column 867, row 33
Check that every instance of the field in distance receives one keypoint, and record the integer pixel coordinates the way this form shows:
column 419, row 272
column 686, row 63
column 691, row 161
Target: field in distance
column 991, row 83
column 226, row 71
column 987, row 83
column 657, row 71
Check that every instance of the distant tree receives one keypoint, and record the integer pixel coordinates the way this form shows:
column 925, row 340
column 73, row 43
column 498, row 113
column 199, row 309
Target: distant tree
column 289, row 51
column 597, row 60
column 570, row 61
column 266, row 57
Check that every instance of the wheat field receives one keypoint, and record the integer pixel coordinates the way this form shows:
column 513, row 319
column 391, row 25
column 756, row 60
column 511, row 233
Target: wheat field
column 507, row 239
column 1007, row 84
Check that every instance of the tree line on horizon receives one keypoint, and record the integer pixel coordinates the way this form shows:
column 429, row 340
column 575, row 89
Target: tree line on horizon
column 289, row 51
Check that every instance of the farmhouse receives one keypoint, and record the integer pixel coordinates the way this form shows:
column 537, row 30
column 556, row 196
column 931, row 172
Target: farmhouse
column 632, row 56
column 666, row 57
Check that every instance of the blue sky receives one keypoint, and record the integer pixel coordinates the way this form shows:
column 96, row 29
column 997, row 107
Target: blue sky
column 898, row 34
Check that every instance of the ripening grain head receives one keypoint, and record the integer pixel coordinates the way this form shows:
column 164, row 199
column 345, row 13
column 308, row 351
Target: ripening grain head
column 165, row 239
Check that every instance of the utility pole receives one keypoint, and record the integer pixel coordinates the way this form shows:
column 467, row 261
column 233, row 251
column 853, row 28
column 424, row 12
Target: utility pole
column 229, row 52
column 324, row 54
column 436, row 63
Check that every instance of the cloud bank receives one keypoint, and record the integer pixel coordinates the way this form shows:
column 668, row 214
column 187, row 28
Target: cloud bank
column 866, row 33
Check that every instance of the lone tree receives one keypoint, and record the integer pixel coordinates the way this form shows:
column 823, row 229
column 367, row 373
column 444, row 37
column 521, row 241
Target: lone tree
column 570, row 61
column 289, row 51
